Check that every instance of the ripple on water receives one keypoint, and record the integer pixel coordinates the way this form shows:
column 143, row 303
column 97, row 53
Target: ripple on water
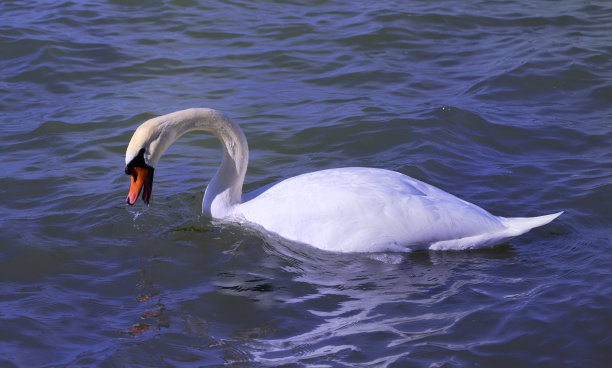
column 505, row 105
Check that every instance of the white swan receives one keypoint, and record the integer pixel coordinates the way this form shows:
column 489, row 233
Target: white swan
column 344, row 210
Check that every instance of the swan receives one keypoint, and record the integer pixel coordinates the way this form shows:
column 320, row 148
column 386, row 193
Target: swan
column 352, row 209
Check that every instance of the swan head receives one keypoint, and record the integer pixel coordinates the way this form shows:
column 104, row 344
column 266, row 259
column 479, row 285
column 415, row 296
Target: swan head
column 148, row 143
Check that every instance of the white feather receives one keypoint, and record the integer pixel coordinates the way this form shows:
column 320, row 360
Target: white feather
column 351, row 209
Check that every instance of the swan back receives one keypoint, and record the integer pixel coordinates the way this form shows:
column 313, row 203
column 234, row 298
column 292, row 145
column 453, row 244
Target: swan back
column 359, row 209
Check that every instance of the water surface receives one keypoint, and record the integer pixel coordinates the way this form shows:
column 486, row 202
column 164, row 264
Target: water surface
column 505, row 104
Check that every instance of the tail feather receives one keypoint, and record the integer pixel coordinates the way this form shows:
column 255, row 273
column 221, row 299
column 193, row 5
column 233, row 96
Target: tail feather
column 515, row 226
column 521, row 225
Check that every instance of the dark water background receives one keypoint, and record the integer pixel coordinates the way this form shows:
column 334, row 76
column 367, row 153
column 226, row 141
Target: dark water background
column 507, row 104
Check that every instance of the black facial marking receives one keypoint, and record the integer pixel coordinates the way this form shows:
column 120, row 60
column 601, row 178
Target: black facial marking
column 137, row 161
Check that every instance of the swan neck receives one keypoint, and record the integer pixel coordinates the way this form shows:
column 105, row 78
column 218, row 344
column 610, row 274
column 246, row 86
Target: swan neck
column 225, row 189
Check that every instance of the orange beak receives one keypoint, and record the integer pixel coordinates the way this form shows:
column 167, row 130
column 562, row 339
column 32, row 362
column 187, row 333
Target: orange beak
column 141, row 178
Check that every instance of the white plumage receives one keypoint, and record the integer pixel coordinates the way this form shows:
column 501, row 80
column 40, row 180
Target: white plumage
column 351, row 209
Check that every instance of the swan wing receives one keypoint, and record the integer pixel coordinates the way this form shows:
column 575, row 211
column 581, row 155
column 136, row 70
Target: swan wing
column 364, row 210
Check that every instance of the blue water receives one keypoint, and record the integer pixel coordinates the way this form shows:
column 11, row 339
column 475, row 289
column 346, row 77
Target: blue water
column 505, row 104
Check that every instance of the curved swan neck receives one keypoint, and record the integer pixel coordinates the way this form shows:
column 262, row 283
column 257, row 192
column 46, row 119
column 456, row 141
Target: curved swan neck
column 225, row 188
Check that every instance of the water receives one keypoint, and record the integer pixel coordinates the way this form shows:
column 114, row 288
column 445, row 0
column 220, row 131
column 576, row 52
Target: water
column 505, row 104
